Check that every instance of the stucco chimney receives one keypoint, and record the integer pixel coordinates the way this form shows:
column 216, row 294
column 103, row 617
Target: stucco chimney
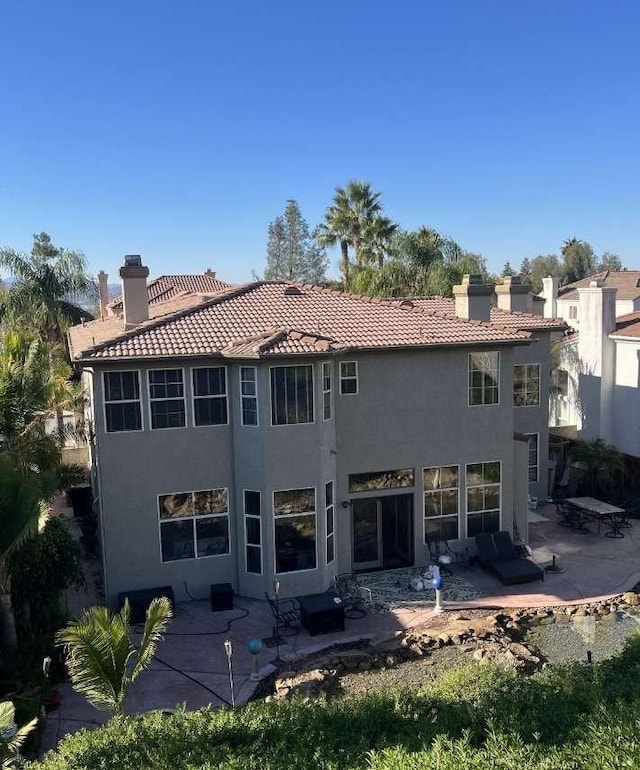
column 473, row 298
column 550, row 286
column 135, row 298
column 210, row 273
column 512, row 294
column 596, row 353
column 103, row 292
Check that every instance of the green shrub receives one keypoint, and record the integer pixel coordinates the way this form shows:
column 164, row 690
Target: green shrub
column 575, row 717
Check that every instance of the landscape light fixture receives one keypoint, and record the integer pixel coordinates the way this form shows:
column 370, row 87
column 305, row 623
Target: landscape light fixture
column 229, row 651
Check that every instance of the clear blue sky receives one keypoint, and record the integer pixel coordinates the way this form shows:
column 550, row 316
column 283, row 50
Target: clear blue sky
column 177, row 129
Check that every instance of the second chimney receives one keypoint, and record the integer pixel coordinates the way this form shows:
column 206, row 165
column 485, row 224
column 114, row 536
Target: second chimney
column 550, row 286
column 473, row 298
column 103, row 292
column 135, row 297
column 514, row 295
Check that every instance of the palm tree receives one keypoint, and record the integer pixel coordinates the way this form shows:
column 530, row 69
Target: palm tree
column 102, row 659
column 44, row 281
column 377, row 239
column 346, row 220
column 601, row 467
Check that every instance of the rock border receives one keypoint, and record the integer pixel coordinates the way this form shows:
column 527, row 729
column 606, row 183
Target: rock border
column 495, row 637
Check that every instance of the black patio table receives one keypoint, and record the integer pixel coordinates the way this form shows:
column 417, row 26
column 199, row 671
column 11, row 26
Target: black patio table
column 321, row 613
column 601, row 511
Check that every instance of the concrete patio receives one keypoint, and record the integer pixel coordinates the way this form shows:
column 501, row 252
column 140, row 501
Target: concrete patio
column 191, row 666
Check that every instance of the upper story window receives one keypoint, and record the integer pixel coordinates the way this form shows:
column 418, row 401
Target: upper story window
column 348, row 378
column 210, row 396
column 326, row 391
column 166, row 398
column 291, row 395
column 122, row 401
column 249, row 395
column 526, row 385
column 573, row 312
column 484, row 378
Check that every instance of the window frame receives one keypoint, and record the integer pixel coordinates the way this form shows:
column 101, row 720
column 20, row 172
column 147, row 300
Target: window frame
column 355, row 377
column 470, row 387
column 525, row 381
column 330, row 506
column 151, row 401
column 573, row 312
column 194, row 398
column 193, row 518
column 312, row 389
column 474, row 486
column 537, row 465
column 426, row 491
column 327, row 392
column 248, row 545
column 313, row 513
column 127, row 401
column 243, row 396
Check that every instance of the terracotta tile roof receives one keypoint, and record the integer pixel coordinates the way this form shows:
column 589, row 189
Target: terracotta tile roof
column 628, row 325
column 167, row 286
column 281, row 318
column 504, row 318
column 627, row 282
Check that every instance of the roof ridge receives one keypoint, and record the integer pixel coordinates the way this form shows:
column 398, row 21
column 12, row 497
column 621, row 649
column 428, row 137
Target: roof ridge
column 154, row 323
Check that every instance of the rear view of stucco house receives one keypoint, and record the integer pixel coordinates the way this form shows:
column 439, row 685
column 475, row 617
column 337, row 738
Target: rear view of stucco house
column 286, row 431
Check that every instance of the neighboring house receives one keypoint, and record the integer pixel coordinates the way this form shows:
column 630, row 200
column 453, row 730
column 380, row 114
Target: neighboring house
column 564, row 301
column 597, row 387
column 167, row 287
column 288, row 431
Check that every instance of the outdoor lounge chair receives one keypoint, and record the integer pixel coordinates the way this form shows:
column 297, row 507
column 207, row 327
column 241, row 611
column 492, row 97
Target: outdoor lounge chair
column 354, row 596
column 286, row 614
column 497, row 554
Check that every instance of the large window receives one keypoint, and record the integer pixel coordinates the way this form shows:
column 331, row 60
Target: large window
column 366, row 482
column 533, row 456
column 291, row 395
column 166, row 398
column 249, row 395
column 194, row 524
column 484, row 378
column 295, row 529
column 348, row 378
column 483, row 498
column 210, row 396
column 326, row 391
column 253, row 531
column 526, row 385
column 441, row 502
column 330, row 521
column 122, row 401
column 573, row 312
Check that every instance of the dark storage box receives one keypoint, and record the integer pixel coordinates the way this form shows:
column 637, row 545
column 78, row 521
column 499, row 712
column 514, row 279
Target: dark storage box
column 221, row 597
column 139, row 601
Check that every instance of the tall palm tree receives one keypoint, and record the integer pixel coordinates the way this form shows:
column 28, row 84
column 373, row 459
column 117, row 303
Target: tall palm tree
column 377, row 239
column 346, row 221
column 44, row 282
column 103, row 661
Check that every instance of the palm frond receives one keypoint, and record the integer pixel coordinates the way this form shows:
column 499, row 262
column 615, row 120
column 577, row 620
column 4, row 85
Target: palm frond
column 159, row 615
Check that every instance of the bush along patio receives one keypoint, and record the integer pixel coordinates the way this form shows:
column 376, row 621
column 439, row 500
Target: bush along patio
column 576, row 716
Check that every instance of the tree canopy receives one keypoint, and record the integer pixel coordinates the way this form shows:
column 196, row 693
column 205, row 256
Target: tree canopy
column 292, row 253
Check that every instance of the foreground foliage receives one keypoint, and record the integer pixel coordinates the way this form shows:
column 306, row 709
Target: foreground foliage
column 102, row 658
column 575, row 717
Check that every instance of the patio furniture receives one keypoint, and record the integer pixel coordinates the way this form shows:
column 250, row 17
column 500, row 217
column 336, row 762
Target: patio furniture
column 604, row 513
column 286, row 613
column 354, row 596
column 321, row 613
column 497, row 554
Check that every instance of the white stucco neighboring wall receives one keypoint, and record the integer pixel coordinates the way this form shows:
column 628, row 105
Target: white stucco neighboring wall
column 626, row 419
